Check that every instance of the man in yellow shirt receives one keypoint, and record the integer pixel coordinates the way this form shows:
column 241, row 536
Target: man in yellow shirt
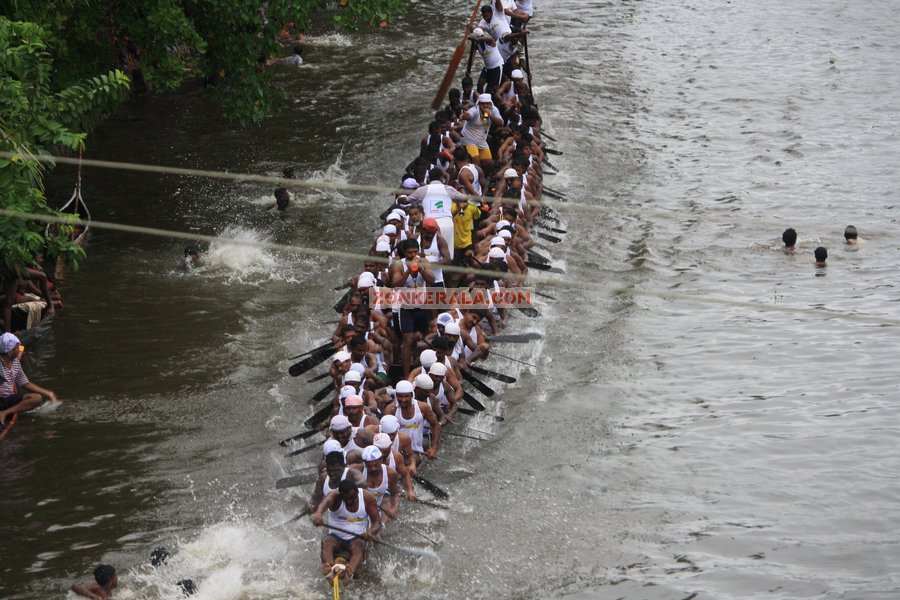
column 464, row 215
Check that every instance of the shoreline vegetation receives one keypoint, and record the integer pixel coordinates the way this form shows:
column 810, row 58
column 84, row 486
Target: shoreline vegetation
column 66, row 68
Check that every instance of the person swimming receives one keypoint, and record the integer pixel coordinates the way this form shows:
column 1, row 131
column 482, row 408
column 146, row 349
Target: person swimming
column 192, row 257
column 789, row 237
column 106, row 581
column 851, row 236
column 821, row 254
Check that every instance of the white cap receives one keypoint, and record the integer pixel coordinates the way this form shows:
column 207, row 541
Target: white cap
column 503, row 223
column 410, row 184
column 496, row 252
column 347, row 390
column 485, row 98
column 358, row 368
column 451, row 329
column 394, row 217
column 371, row 453
column 424, row 381
column 382, row 440
column 383, row 246
column 444, row 318
column 510, row 174
column 399, row 211
column 405, row 387
column 365, row 280
column 427, row 358
column 505, row 234
column 498, row 241
column 340, row 356
column 331, row 446
column 438, row 369
column 390, row 230
column 340, row 423
column 517, row 74
column 352, row 377
column 389, row 424
column 478, row 32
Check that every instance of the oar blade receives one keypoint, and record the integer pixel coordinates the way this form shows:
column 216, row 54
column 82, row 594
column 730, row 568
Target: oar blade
column 319, row 417
column 431, row 487
column 322, row 394
column 473, row 401
column 492, row 374
column 478, row 384
column 310, row 362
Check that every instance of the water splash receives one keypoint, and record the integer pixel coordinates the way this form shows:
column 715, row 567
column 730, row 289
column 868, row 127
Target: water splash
column 238, row 261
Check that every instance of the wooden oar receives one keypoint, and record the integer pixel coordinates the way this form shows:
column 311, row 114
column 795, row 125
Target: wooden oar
column 529, row 311
column 515, row 338
column 311, row 361
column 493, row 374
column 548, row 237
column 472, row 413
column 432, row 504
column 543, row 295
column 320, row 416
column 471, row 57
column 544, row 134
column 494, row 353
column 300, row 436
column 560, row 195
column 553, row 194
column 551, row 165
column 454, row 63
column 479, row 385
column 319, row 377
column 305, row 512
column 411, row 528
column 551, row 151
column 415, row 551
column 319, row 349
column 306, row 449
column 527, row 63
column 340, row 304
column 298, row 479
column 537, row 258
column 472, row 401
column 323, row 393
column 463, row 435
column 431, row 487
column 549, row 214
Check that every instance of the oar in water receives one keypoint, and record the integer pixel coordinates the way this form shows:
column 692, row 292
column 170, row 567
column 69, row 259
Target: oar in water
column 300, row 436
column 557, row 192
column 311, row 361
column 544, row 134
column 302, row 514
column 538, row 258
column 431, row 487
column 472, row 401
column 515, row 338
column 411, row 528
column 548, row 237
column 543, row 295
column 432, row 504
column 472, row 413
column 549, row 164
column 551, row 151
column 493, row 353
column 529, row 311
column 540, row 267
column 479, row 385
column 319, row 377
column 415, row 551
column 290, row 481
column 554, row 229
column 553, row 194
column 549, row 214
column 492, row 374
column 463, row 435
column 323, row 393
column 318, row 349
column 306, row 449
column 340, row 304
column 320, row 416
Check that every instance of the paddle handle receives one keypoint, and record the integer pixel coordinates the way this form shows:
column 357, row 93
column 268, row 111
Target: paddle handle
column 454, row 63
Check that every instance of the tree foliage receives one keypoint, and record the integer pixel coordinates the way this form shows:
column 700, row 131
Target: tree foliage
column 36, row 117
column 160, row 43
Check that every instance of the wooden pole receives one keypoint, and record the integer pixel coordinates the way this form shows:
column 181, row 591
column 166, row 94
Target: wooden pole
column 454, row 63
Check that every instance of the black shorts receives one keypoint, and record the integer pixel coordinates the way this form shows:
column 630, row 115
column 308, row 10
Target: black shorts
column 414, row 319
column 492, row 78
column 10, row 401
column 459, row 256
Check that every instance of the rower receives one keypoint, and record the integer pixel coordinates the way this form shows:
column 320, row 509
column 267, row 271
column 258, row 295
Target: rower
column 423, row 386
column 335, row 471
column 435, row 249
column 353, row 515
column 400, row 441
column 428, row 358
column 445, row 400
column 342, row 431
column 412, row 415
column 353, row 410
column 437, row 200
column 394, row 460
column 380, row 481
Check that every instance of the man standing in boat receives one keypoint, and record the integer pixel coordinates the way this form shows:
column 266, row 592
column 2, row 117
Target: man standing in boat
column 352, row 521
column 437, row 202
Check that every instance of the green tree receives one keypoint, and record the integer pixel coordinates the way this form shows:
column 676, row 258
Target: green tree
column 36, row 117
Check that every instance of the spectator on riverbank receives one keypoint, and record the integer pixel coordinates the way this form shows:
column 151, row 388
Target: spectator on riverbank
column 17, row 393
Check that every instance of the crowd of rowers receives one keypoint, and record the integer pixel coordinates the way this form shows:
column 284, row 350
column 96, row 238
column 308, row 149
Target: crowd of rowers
column 468, row 200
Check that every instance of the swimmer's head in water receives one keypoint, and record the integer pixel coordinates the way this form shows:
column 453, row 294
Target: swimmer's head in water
column 187, row 586
column 282, row 198
column 821, row 254
column 289, row 172
column 159, row 556
column 789, row 237
column 105, row 576
column 850, row 233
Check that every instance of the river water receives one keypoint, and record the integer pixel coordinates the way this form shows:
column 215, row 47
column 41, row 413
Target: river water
column 697, row 422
